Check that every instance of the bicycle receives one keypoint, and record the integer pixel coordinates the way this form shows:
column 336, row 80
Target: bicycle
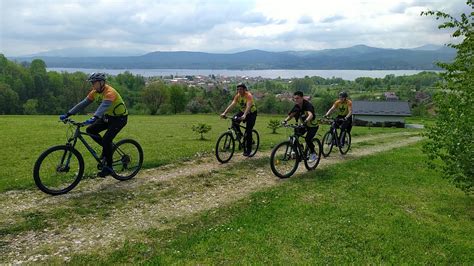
column 287, row 155
column 342, row 139
column 225, row 145
column 60, row 168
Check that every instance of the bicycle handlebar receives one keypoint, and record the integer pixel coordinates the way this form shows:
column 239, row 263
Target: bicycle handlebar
column 72, row 122
column 293, row 126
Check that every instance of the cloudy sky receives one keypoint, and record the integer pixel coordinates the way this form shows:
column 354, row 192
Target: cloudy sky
column 32, row 26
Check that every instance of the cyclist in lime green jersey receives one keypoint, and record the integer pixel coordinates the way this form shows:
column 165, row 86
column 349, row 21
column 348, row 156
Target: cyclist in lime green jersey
column 111, row 115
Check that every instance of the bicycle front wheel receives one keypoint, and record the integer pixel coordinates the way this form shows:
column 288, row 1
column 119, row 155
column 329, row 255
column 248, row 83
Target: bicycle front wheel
column 311, row 161
column 255, row 143
column 328, row 143
column 345, row 143
column 284, row 160
column 58, row 170
column 127, row 159
column 225, row 147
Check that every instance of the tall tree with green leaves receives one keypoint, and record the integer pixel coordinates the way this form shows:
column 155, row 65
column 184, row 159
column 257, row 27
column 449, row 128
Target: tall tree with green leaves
column 154, row 95
column 451, row 138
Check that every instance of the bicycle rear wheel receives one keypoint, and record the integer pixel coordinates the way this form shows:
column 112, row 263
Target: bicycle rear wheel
column 127, row 159
column 345, row 143
column 328, row 143
column 58, row 170
column 284, row 160
column 225, row 147
column 255, row 143
column 312, row 164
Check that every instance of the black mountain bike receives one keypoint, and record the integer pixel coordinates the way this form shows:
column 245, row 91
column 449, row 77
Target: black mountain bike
column 286, row 156
column 340, row 138
column 60, row 168
column 225, row 145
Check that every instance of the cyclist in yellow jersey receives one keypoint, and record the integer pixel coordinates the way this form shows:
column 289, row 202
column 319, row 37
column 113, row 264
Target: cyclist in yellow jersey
column 247, row 113
column 343, row 107
column 111, row 115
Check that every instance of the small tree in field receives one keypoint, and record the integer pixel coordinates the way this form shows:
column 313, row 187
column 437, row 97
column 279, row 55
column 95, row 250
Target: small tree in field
column 202, row 129
column 451, row 138
column 274, row 125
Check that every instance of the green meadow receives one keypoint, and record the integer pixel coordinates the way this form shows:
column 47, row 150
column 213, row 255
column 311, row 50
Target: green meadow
column 165, row 139
column 358, row 212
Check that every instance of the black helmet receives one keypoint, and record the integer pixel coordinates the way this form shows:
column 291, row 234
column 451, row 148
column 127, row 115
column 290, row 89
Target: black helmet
column 241, row 85
column 343, row 94
column 96, row 77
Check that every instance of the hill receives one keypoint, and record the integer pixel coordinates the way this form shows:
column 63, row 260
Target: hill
column 356, row 57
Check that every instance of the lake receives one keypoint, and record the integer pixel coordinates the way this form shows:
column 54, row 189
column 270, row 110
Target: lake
column 265, row 73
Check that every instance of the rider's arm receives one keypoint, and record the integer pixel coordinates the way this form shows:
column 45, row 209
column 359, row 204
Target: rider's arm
column 330, row 110
column 248, row 106
column 349, row 106
column 102, row 108
column 230, row 107
column 290, row 116
column 309, row 118
column 80, row 106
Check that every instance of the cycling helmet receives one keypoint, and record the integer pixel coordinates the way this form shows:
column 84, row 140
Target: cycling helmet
column 96, row 77
column 343, row 94
column 241, row 85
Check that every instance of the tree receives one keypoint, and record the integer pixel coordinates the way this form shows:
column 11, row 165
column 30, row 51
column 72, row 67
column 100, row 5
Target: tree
column 451, row 137
column 202, row 129
column 177, row 98
column 8, row 99
column 30, row 107
column 154, row 95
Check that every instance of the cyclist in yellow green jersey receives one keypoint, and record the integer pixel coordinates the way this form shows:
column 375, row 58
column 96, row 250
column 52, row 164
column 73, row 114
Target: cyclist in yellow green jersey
column 111, row 115
column 343, row 107
column 304, row 111
column 248, row 113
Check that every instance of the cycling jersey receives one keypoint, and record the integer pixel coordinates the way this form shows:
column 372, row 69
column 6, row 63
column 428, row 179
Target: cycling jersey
column 342, row 107
column 303, row 112
column 117, row 108
column 242, row 101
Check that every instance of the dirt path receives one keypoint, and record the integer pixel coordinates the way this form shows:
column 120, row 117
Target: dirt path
column 157, row 198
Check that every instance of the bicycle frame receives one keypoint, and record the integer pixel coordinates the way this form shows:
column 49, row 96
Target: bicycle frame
column 294, row 140
column 78, row 134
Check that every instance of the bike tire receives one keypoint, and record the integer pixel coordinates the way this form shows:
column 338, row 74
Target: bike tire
column 311, row 165
column 284, row 160
column 127, row 159
column 327, row 144
column 346, row 136
column 255, row 142
column 225, row 147
column 51, row 177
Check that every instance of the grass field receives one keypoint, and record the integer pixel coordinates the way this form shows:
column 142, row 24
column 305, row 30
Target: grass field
column 165, row 139
column 363, row 211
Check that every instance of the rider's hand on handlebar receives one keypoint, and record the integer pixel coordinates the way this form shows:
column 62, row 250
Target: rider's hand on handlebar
column 64, row 116
column 284, row 122
column 223, row 115
column 90, row 120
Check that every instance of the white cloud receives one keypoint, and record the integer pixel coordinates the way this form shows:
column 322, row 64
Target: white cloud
column 30, row 26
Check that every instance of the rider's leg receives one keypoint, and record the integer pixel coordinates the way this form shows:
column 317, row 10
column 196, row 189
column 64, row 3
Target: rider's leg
column 115, row 124
column 235, row 124
column 97, row 127
column 309, row 138
column 250, row 123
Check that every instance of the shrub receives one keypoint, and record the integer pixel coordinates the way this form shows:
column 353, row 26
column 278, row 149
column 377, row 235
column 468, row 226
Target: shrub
column 274, row 124
column 202, row 129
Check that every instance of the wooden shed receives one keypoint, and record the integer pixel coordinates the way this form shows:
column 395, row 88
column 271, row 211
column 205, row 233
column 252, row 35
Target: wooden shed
column 380, row 113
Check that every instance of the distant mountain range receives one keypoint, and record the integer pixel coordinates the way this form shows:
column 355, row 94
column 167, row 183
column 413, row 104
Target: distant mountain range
column 356, row 57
